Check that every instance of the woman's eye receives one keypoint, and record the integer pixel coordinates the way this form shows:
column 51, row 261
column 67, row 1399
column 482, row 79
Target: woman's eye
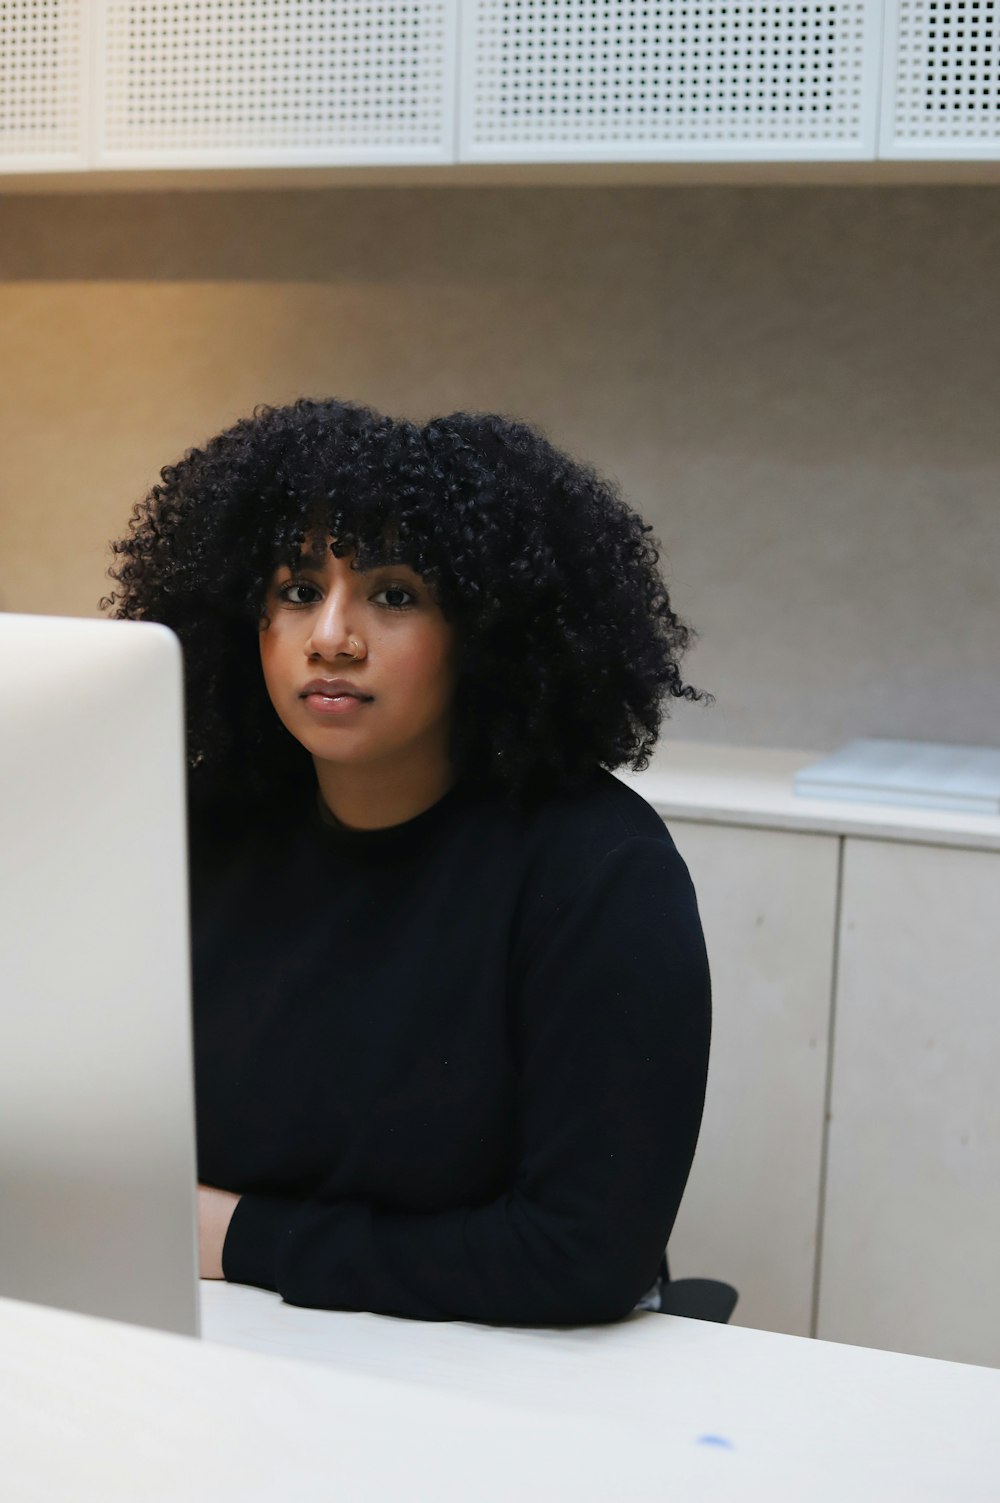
column 395, row 589
column 392, row 589
column 294, row 584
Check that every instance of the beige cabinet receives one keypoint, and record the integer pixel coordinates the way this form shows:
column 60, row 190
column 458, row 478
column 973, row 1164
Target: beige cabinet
column 911, row 1239
column 750, row 1212
column 860, row 1203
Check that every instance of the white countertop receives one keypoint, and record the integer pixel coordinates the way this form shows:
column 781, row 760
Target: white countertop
column 753, row 786
column 337, row 1405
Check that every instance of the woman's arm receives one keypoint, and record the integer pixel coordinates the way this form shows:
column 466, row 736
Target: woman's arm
column 613, row 1023
column 215, row 1211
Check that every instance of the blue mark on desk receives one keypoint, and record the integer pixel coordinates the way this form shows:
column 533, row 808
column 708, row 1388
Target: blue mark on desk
column 715, row 1440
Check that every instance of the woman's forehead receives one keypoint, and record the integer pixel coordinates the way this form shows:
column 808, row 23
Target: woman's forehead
column 316, row 553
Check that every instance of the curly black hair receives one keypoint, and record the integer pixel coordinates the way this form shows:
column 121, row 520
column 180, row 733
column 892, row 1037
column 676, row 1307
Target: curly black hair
column 567, row 645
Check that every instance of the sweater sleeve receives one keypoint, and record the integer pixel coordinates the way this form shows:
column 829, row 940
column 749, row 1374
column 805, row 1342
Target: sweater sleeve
column 612, row 1023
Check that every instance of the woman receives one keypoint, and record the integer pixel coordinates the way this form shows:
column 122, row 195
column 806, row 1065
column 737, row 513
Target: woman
column 451, row 997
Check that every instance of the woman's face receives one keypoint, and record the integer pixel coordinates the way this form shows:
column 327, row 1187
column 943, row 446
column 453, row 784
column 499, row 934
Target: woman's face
column 380, row 631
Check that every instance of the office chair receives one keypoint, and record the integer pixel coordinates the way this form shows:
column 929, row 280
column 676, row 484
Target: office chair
column 697, row 1299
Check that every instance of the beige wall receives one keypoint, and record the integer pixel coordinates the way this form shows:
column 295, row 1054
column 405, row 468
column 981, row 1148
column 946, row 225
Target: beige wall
column 798, row 386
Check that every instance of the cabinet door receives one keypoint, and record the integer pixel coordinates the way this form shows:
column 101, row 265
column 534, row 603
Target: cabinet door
column 911, row 1243
column 749, row 1214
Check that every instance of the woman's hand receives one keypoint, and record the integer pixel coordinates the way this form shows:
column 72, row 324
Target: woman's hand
column 215, row 1211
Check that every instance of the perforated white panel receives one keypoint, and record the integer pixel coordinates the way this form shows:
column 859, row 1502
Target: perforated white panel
column 261, row 82
column 43, row 85
column 941, row 96
column 561, row 80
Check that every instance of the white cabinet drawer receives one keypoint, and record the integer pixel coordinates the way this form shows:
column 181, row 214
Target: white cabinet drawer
column 749, row 1215
column 911, row 1245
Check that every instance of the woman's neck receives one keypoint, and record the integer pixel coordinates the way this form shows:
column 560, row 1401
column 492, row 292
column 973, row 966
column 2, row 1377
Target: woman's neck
column 372, row 797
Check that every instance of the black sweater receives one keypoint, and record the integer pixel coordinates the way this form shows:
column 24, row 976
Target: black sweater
column 455, row 1067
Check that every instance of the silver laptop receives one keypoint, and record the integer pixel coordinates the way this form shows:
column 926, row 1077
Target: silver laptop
column 98, row 1172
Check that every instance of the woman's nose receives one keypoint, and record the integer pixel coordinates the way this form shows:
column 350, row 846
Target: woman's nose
column 332, row 628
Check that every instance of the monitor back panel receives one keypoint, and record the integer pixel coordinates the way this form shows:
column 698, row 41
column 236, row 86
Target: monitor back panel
column 98, row 1172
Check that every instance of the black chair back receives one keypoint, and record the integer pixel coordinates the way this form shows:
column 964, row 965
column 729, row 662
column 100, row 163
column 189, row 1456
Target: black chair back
column 696, row 1299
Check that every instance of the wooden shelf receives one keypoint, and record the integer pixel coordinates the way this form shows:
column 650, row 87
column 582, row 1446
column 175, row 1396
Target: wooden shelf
column 511, row 174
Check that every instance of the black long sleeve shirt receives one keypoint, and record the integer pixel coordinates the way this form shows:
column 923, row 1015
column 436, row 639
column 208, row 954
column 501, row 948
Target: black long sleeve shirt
column 455, row 1067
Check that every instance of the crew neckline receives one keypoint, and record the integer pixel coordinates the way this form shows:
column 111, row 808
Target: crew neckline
column 405, row 831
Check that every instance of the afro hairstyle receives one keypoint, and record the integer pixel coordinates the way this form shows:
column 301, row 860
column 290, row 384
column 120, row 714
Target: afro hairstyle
column 567, row 644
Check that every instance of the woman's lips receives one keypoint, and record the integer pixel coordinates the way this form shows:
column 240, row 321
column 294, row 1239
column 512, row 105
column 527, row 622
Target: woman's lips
column 326, row 705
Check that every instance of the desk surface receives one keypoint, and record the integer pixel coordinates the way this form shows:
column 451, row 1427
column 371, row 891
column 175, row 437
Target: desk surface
column 652, row 1407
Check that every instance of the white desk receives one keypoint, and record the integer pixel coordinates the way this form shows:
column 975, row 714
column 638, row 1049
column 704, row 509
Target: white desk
column 95, row 1411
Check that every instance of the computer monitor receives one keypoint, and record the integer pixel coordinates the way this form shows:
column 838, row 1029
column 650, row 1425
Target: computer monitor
column 98, row 1170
